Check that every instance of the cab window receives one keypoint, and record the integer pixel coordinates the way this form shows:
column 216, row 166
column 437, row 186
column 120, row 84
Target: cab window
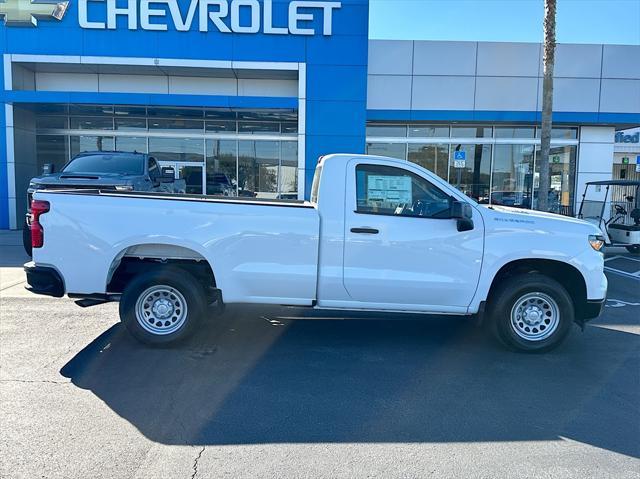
column 387, row 190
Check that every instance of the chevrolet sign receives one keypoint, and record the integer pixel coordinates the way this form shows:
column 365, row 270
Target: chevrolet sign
column 27, row 12
column 220, row 15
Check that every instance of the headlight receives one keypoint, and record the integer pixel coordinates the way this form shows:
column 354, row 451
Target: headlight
column 32, row 185
column 596, row 242
column 124, row 188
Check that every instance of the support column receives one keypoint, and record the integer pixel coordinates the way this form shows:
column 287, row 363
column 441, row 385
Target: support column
column 595, row 159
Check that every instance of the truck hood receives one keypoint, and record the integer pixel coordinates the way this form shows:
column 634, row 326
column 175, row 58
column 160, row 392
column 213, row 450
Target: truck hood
column 82, row 179
column 538, row 219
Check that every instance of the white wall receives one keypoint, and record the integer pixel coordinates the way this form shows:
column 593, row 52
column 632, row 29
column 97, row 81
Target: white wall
column 185, row 85
column 595, row 158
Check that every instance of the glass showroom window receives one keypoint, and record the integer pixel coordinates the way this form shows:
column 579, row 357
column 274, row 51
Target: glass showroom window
column 52, row 149
column 131, row 144
column 512, row 182
column 177, row 149
column 258, row 163
column 391, row 150
column 222, row 178
column 562, row 181
column 473, row 174
column 289, row 170
column 399, row 131
column 434, row 158
column 80, row 144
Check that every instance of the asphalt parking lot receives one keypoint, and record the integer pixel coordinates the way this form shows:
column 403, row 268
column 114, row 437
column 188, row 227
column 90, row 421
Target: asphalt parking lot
column 257, row 395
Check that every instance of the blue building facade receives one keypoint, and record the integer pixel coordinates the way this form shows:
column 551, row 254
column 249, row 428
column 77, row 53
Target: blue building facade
column 322, row 46
column 254, row 91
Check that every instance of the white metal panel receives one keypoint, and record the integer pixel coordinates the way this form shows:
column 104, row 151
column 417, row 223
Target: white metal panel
column 442, row 93
column 506, row 93
column 444, row 58
column 66, row 82
column 202, row 86
column 620, row 96
column 134, row 83
column 272, row 88
column 389, row 92
column 621, row 61
column 390, row 57
column 577, row 61
column 508, row 59
column 574, row 94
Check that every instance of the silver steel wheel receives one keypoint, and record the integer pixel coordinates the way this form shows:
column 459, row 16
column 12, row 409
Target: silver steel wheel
column 535, row 316
column 161, row 310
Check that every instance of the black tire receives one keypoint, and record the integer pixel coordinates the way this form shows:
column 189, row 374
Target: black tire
column 169, row 280
column 26, row 239
column 509, row 297
column 633, row 249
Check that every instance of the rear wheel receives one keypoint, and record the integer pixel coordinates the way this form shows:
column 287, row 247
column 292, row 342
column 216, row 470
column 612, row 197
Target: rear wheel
column 162, row 306
column 633, row 249
column 531, row 313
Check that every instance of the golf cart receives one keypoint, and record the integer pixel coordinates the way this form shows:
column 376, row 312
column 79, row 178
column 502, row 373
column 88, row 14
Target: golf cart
column 618, row 217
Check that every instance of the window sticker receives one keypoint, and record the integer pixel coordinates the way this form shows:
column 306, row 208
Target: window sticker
column 388, row 191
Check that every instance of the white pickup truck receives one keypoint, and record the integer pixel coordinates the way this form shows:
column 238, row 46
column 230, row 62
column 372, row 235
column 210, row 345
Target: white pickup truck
column 378, row 235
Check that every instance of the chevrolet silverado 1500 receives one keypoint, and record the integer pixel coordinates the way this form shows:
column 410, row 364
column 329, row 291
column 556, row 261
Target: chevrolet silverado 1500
column 377, row 235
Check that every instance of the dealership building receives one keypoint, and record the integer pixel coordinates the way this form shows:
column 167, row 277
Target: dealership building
column 258, row 90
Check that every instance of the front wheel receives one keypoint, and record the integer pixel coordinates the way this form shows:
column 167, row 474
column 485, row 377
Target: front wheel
column 633, row 249
column 531, row 313
column 162, row 306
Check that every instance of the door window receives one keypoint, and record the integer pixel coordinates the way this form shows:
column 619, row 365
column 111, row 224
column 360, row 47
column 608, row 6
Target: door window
column 386, row 190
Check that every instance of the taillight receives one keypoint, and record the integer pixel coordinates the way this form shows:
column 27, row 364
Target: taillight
column 38, row 208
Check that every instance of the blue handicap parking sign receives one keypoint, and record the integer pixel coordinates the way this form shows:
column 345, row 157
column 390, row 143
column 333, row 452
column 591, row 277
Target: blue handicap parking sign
column 460, row 155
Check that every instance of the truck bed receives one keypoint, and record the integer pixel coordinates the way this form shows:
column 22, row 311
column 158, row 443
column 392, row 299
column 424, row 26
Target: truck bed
column 180, row 197
column 260, row 250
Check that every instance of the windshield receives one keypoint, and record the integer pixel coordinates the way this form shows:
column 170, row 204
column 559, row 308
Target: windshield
column 119, row 164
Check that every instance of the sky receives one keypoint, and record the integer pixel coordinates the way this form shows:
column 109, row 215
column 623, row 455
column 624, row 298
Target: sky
column 578, row 21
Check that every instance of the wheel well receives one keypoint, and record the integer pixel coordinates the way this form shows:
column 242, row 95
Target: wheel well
column 564, row 273
column 132, row 266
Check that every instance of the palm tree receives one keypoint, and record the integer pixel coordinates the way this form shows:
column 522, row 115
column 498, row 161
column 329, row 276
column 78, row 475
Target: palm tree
column 547, row 101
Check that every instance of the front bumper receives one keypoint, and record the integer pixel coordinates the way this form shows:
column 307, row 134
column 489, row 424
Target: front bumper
column 593, row 309
column 44, row 280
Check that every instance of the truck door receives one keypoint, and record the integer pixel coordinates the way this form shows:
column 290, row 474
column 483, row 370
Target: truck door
column 402, row 249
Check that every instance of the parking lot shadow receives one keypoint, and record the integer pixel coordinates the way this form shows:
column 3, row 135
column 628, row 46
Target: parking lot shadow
column 248, row 379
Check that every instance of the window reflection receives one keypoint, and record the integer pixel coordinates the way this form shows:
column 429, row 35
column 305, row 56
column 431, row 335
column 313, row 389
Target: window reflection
column 471, row 132
column 221, row 168
column 258, row 168
column 562, row 174
column 391, row 150
column 176, row 149
column 471, row 175
column 289, row 170
column 52, row 149
column 434, row 158
column 80, row 144
column 131, row 143
column 512, row 183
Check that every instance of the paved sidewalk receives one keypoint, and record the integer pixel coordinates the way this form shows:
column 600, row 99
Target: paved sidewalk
column 12, row 257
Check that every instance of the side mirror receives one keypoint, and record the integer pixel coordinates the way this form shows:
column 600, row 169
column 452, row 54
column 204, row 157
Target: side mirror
column 168, row 175
column 48, row 168
column 463, row 212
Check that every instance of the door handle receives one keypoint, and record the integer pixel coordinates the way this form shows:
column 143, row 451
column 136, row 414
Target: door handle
column 365, row 231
